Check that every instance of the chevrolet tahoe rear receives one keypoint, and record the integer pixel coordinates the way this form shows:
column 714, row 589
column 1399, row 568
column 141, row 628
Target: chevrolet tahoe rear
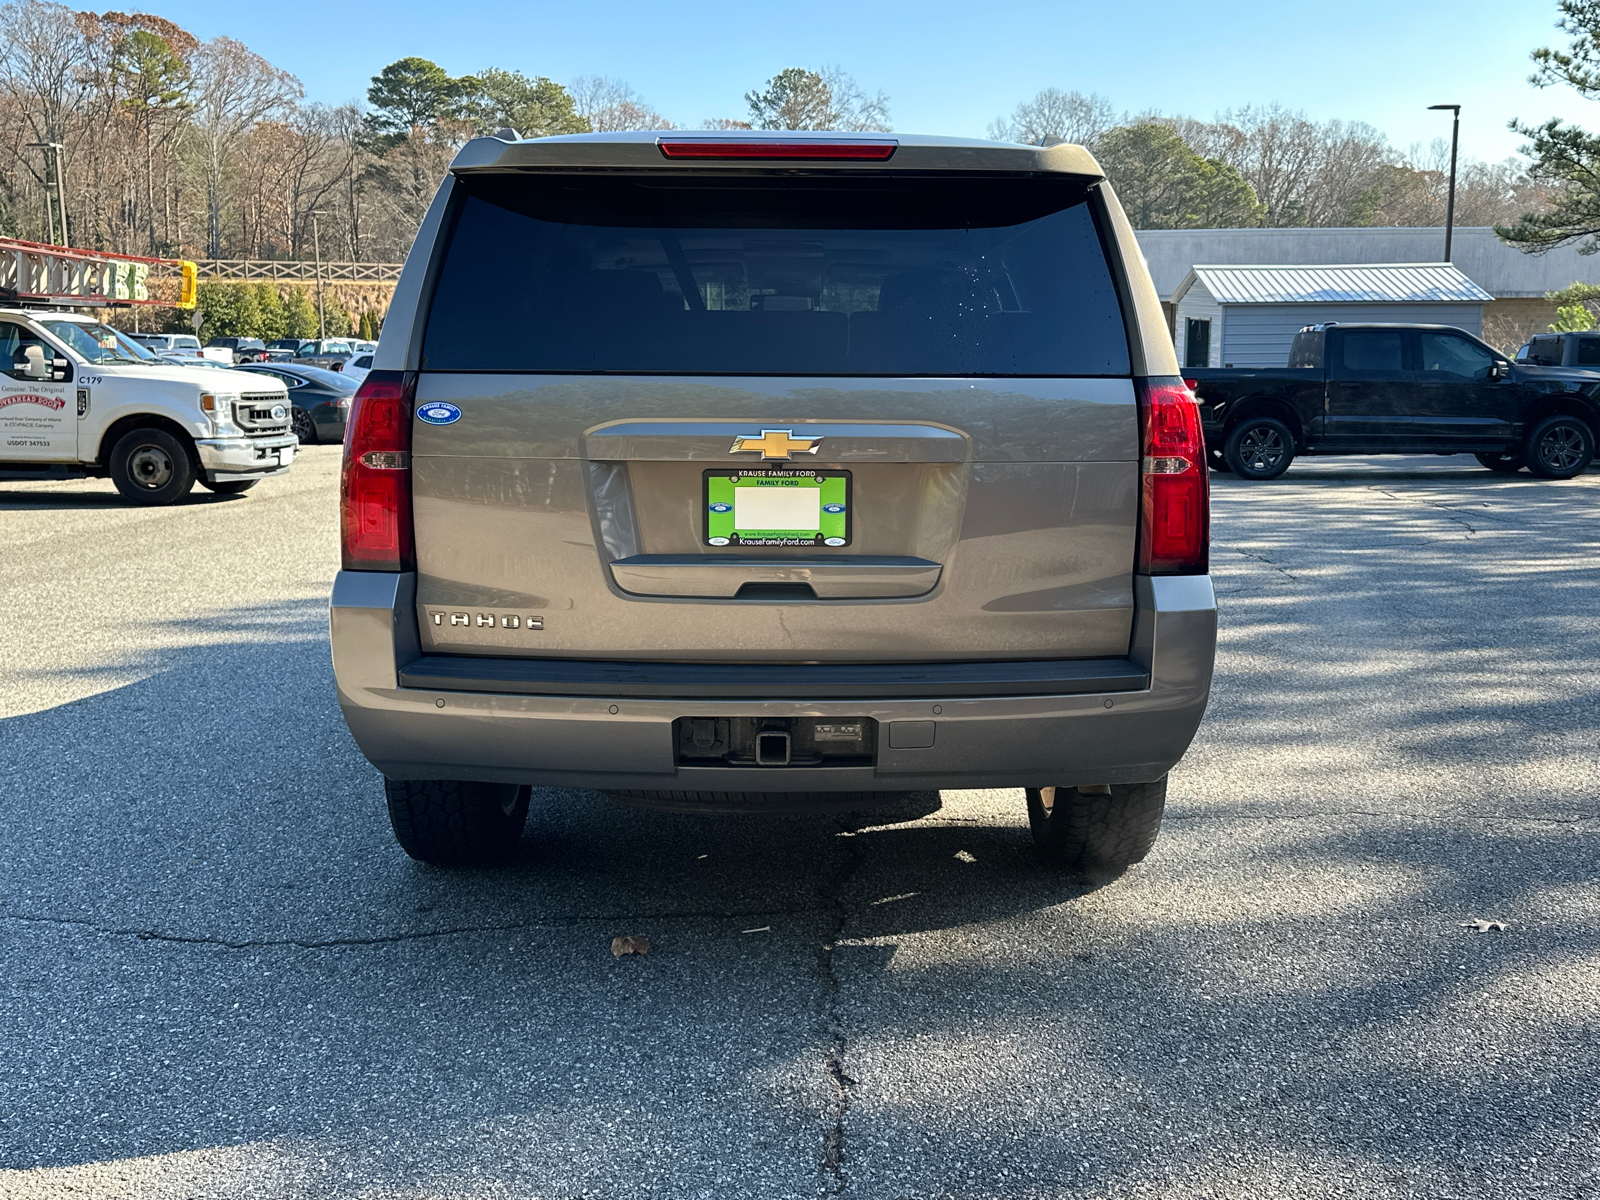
column 733, row 472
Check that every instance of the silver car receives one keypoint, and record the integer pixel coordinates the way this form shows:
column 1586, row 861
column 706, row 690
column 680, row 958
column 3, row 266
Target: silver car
column 768, row 471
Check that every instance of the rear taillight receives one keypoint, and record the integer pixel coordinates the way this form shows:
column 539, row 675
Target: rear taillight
column 375, row 490
column 1175, row 484
column 837, row 149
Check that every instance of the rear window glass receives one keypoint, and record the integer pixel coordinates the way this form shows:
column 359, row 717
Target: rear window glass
column 1545, row 352
column 775, row 276
column 1372, row 350
column 1588, row 351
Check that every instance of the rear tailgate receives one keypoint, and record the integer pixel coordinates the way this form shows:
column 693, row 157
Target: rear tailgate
column 616, row 373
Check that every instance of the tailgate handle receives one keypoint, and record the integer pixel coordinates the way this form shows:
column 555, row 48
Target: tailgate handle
column 721, row 576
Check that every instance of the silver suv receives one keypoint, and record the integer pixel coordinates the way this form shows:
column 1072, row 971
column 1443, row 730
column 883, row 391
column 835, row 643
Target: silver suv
column 766, row 471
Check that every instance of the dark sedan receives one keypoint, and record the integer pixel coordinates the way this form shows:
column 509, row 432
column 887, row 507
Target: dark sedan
column 321, row 399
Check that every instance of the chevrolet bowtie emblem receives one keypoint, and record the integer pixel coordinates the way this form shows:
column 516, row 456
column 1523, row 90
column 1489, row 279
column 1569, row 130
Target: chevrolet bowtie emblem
column 775, row 443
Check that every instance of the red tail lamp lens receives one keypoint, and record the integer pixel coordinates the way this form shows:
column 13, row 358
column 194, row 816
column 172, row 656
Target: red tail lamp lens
column 375, row 488
column 874, row 151
column 1175, row 483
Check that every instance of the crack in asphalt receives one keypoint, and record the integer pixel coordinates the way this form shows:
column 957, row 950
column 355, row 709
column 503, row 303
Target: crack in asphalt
column 1284, row 571
column 156, row 935
column 830, row 1023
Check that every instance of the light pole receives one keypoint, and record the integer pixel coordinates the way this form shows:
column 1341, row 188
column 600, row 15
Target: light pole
column 316, row 248
column 1450, row 205
column 52, row 150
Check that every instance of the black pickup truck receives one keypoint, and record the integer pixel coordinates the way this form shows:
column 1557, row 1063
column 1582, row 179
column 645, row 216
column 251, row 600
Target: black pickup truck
column 1398, row 389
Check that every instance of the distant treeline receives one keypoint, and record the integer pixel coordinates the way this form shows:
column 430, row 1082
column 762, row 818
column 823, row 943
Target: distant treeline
column 174, row 146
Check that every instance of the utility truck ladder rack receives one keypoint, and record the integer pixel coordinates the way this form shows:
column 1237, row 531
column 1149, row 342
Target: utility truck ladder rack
column 33, row 273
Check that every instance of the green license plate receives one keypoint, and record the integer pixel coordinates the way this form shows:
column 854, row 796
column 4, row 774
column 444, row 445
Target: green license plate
column 762, row 506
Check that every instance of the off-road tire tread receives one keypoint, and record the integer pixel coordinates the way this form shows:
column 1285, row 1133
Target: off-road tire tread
column 454, row 822
column 1097, row 838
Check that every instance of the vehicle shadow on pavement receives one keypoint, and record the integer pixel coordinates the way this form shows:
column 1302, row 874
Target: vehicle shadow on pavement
column 223, row 976
column 21, row 500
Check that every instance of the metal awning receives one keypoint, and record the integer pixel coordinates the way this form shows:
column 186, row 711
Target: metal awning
column 1391, row 283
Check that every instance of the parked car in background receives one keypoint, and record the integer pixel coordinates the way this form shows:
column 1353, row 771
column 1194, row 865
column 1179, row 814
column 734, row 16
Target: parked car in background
column 1561, row 350
column 292, row 345
column 331, row 353
column 1398, row 389
column 243, row 349
column 357, row 367
column 180, row 345
column 178, row 360
column 321, row 399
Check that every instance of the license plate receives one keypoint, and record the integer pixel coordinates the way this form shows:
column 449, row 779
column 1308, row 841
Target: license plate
column 765, row 506
column 286, row 456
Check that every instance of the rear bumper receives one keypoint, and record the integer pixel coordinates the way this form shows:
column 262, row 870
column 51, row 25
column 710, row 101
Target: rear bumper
column 609, row 725
column 246, row 458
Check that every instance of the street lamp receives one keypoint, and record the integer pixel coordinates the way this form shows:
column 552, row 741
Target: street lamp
column 1450, row 205
column 316, row 248
column 53, row 150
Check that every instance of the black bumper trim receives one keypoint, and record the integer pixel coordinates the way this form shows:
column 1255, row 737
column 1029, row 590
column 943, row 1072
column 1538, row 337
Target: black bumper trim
column 747, row 681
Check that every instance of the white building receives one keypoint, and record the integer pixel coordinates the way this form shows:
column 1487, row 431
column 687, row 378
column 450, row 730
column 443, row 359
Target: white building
column 1517, row 282
column 1247, row 316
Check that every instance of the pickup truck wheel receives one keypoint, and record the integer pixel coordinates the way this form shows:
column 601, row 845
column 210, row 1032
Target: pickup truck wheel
column 454, row 822
column 1560, row 447
column 151, row 467
column 1259, row 448
column 1097, row 836
column 228, row 487
column 1502, row 464
column 304, row 427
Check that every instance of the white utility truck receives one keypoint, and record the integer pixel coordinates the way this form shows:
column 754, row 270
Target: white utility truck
column 80, row 399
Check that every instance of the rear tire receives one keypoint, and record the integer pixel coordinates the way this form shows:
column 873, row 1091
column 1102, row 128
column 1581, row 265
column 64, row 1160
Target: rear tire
column 1097, row 837
column 1560, row 447
column 1259, row 448
column 457, row 823
column 228, row 487
column 1502, row 464
column 151, row 467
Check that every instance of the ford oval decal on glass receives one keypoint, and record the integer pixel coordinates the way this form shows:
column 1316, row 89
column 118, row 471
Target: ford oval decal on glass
column 437, row 412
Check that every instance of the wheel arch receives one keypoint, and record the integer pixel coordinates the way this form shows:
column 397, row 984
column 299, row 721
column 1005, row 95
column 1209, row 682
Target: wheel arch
column 125, row 425
column 1563, row 404
column 1266, row 406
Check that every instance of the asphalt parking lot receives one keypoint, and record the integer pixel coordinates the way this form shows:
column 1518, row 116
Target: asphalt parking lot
column 223, row 979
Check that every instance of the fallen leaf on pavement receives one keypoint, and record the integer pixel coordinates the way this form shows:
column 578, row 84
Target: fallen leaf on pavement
column 629, row 945
column 1483, row 926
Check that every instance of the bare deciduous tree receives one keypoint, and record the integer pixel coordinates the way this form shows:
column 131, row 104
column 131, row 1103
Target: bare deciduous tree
column 234, row 88
column 610, row 105
column 1054, row 115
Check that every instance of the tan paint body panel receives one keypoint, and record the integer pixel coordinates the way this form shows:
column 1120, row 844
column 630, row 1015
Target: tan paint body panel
column 1022, row 491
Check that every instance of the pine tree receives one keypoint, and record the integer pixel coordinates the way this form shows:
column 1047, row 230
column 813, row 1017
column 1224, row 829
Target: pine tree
column 300, row 315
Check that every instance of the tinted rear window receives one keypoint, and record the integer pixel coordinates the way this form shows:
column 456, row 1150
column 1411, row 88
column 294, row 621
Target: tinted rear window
column 1545, row 352
column 775, row 276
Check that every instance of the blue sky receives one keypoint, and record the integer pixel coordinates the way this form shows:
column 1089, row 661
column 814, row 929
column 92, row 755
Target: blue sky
column 952, row 67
